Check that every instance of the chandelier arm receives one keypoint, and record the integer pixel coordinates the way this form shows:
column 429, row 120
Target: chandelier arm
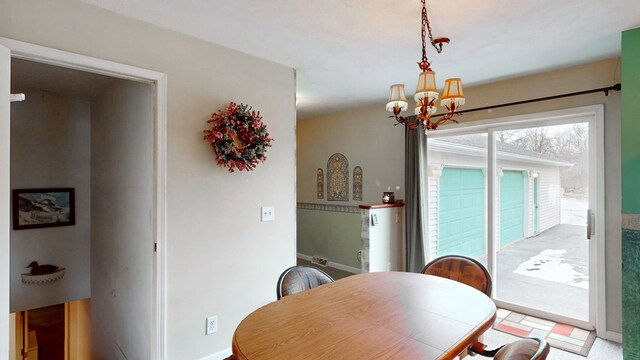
column 411, row 122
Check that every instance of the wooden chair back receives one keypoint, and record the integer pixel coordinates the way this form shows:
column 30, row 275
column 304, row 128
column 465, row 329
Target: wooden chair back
column 462, row 269
column 300, row 278
column 525, row 349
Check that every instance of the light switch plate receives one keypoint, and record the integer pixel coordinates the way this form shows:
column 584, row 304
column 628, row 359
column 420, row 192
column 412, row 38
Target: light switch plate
column 268, row 213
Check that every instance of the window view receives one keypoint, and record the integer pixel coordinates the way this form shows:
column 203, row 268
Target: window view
column 541, row 200
column 457, row 196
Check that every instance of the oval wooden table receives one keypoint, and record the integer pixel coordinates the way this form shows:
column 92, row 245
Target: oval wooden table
column 384, row 315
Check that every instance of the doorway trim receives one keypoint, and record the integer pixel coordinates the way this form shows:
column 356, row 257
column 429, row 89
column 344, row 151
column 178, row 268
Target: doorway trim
column 158, row 81
column 597, row 298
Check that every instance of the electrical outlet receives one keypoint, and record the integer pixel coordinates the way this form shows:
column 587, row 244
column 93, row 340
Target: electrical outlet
column 212, row 324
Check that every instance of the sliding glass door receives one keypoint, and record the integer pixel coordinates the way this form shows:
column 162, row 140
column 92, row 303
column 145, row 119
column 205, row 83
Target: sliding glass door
column 542, row 256
column 515, row 196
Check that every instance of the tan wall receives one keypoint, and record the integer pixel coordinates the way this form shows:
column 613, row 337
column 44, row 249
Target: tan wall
column 216, row 244
column 367, row 133
column 367, row 138
column 121, row 233
column 51, row 149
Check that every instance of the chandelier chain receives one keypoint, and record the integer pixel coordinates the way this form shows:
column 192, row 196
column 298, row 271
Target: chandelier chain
column 425, row 24
column 426, row 29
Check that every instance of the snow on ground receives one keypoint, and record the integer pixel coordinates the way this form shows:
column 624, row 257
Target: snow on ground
column 549, row 265
column 574, row 210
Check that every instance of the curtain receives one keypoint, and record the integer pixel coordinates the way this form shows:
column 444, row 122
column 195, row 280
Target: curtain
column 415, row 151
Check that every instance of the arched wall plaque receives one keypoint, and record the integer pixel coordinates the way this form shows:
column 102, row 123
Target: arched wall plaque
column 320, row 183
column 357, row 183
column 338, row 178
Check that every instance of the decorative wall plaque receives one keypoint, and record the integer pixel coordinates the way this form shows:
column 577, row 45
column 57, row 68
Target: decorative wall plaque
column 338, row 178
column 357, row 183
column 320, row 183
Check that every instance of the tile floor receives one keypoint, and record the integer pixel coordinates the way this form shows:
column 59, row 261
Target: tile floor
column 562, row 336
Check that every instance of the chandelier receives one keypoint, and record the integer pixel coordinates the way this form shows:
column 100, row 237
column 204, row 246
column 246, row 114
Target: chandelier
column 426, row 93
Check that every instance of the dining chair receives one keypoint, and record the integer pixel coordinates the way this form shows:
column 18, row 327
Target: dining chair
column 300, row 278
column 462, row 269
column 524, row 349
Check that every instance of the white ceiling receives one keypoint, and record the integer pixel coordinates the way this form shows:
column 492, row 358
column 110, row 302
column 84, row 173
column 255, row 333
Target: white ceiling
column 348, row 52
column 29, row 76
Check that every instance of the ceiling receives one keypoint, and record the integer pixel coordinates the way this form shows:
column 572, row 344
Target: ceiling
column 348, row 52
column 29, row 76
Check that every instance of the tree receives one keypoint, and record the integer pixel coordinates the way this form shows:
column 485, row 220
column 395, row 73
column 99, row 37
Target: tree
column 566, row 142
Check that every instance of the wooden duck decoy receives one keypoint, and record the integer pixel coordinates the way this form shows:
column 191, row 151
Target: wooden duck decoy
column 41, row 269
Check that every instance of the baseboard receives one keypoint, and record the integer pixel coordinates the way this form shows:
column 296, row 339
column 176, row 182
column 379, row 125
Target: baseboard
column 220, row 355
column 334, row 265
column 614, row 336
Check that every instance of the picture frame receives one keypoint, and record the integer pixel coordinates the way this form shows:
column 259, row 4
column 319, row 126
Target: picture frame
column 43, row 208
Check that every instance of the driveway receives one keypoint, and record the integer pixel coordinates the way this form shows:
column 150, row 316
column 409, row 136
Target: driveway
column 548, row 271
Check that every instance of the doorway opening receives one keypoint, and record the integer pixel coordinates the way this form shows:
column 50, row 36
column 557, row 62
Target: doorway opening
column 53, row 332
column 120, row 134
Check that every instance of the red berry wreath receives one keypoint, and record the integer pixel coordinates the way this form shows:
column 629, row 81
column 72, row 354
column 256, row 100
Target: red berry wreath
column 239, row 137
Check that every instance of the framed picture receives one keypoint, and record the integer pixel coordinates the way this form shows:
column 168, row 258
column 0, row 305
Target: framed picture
column 41, row 208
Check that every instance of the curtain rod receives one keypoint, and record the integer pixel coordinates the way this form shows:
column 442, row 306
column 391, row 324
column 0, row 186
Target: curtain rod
column 616, row 87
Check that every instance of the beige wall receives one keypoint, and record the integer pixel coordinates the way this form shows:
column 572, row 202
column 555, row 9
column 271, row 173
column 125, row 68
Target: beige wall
column 216, row 245
column 121, row 232
column 368, row 139
column 50, row 148
column 366, row 136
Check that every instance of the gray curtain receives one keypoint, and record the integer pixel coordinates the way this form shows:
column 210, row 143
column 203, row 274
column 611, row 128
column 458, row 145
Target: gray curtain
column 415, row 186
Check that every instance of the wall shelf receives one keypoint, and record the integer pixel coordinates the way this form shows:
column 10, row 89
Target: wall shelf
column 42, row 279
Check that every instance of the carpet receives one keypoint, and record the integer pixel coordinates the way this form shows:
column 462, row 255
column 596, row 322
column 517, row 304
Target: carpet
column 561, row 336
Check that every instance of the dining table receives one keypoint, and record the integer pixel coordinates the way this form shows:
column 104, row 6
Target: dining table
column 375, row 315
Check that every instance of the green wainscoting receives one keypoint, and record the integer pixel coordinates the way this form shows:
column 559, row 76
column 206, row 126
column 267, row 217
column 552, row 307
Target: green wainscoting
column 511, row 206
column 461, row 212
column 630, row 293
column 630, row 193
column 334, row 235
column 631, row 121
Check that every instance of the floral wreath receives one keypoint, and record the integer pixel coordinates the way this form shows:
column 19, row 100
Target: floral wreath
column 239, row 137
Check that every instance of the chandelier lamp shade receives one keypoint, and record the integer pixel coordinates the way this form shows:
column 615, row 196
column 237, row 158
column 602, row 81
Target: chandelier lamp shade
column 426, row 95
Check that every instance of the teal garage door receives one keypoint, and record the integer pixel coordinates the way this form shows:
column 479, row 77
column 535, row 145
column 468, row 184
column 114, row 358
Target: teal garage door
column 511, row 206
column 461, row 212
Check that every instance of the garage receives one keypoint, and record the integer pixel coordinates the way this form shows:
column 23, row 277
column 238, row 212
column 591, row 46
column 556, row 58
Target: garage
column 511, row 206
column 461, row 216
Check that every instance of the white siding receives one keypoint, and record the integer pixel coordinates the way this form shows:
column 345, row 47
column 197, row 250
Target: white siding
column 549, row 197
column 530, row 206
column 496, row 240
column 433, row 203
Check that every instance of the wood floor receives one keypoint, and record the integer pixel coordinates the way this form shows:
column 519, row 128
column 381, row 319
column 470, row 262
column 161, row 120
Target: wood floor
column 601, row 349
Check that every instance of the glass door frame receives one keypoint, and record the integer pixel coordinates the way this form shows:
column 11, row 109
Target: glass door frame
column 594, row 116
